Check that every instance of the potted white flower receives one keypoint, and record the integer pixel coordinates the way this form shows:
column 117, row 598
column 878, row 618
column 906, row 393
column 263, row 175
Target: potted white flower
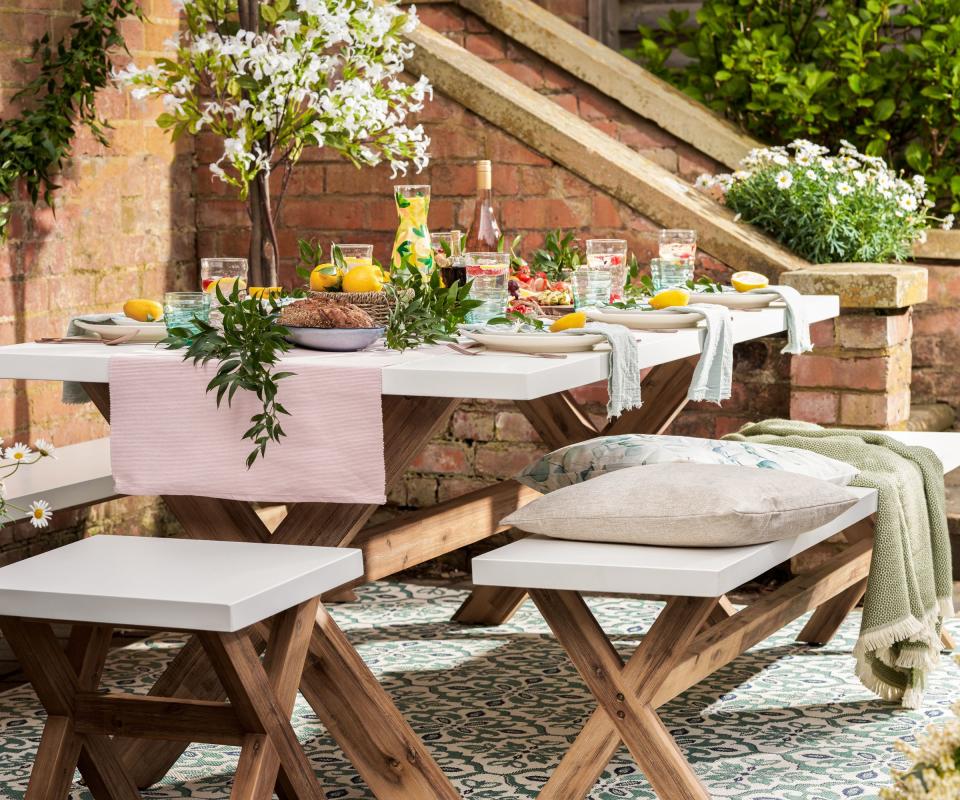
column 271, row 77
column 847, row 207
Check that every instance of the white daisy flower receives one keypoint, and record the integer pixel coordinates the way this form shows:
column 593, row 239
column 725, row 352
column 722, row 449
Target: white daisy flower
column 742, row 174
column 784, row 179
column 18, row 452
column 844, row 188
column 781, row 160
column 947, row 223
column 812, row 175
column 40, row 514
column 705, row 181
column 803, row 158
column 45, row 448
column 832, row 198
column 908, row 202
column 919, row 183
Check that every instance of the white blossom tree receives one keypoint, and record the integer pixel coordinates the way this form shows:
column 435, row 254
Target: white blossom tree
column 271, row 77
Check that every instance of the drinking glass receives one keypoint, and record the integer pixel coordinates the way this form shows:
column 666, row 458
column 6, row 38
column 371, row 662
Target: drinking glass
column 447, row 256
column 488, row 271
column 222, row 272
column 669, row 272
column 180, row 309
column 603, row 275
column 678, row 244
column 355, row 255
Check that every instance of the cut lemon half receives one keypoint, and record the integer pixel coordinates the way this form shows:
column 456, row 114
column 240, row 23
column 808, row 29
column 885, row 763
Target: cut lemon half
column 745, row 281
column 670, row 297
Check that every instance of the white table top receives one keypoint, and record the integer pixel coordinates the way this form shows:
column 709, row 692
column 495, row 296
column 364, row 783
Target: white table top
column 538, row 562
column 431, row 371
column 181, row 584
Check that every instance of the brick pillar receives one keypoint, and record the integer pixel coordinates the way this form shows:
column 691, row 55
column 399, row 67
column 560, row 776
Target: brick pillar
column 859, row 374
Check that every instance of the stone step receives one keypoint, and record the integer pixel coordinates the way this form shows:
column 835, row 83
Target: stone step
column 931, row 417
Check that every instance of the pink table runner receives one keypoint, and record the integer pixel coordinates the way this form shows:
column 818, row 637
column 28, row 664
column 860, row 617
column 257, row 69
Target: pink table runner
column 168, row 436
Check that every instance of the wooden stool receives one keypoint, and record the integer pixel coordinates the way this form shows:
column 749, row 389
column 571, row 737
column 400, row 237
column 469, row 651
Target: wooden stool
column 697, row 633
column 215, row 589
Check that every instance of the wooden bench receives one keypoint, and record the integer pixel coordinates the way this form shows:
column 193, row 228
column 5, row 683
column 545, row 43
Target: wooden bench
column 697, row 632
column 79, row 475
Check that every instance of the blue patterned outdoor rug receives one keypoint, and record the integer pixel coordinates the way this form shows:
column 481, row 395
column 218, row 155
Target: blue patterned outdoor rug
column 497, row 707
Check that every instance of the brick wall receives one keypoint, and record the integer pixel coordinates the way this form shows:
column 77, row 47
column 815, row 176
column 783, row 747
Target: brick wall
column 123, row 227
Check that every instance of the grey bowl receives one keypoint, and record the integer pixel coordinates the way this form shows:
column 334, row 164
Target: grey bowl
column 341, row 340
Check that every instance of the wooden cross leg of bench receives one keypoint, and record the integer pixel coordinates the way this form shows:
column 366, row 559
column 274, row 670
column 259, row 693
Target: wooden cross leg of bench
column 81, row 721
column 679, row 651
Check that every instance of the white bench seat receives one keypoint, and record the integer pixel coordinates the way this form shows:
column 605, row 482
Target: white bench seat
column 181, row 584
column 538, row 562
column 79, row 475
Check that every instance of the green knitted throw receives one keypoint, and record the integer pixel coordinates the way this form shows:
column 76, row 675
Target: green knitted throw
column 910, row 586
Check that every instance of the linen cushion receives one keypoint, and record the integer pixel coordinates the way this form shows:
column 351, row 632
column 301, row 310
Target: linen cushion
column 585, row 460
column 686, row 505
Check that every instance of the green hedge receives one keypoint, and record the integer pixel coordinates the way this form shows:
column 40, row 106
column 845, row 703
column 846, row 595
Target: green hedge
column 884, row 76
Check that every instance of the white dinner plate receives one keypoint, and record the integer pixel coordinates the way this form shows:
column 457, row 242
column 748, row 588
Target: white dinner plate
column 142, row 331
column 733, row 299
column 644, row 320
column 538, row 342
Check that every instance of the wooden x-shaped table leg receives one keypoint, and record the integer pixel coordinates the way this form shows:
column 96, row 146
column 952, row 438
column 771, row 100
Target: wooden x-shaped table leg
column 58, row 678
column 624, row 694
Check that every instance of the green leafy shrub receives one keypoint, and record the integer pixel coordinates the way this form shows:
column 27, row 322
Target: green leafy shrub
column 884, row 75
column 848, row 207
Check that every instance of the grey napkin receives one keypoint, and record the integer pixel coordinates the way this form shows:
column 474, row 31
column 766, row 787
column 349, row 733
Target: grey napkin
column 623, row 382
column 713, row 377
column 73, row 393
column 798, row 326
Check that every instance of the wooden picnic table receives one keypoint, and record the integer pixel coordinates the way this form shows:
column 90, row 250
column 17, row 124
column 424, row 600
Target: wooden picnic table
column 421, row 390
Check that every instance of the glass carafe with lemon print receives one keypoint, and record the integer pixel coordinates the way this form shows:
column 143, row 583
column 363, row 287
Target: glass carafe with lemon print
column 412, row 243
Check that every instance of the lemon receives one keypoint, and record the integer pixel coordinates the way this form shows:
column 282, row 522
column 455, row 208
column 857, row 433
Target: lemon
column 569, row 321
column 670, row 297
column 264, row 291
column 226, row 285
column 745, row 281
column 323, row 282
column 143, row 310
column 365, row 278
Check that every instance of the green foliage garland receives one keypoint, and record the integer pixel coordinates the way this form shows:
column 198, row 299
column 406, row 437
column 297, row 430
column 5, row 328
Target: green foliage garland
column 34, row 145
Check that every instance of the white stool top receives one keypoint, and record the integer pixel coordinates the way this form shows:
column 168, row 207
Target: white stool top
column 538, row 562
column 182, row 584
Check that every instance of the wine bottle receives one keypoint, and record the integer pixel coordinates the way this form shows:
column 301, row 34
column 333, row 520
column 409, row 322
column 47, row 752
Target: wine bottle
column 484, row 233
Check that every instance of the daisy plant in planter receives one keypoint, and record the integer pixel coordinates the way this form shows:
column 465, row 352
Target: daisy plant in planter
column 271, row 77
column 828, row 208
column 14, row 458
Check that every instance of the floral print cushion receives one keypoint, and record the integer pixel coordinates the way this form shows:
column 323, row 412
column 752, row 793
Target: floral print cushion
column 585, row 460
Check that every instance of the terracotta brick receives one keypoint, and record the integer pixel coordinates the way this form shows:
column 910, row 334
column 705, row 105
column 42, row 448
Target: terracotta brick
column 442, row 457
column 526, row 73
column 440, row 18
column 505, row 460
column 472, row 425
column 821, row 334
column 512, row 426
column 489, row 48
column 873, row 331
column 874, row 410
column 848, row 373
column 820, row 407
column 451, row 487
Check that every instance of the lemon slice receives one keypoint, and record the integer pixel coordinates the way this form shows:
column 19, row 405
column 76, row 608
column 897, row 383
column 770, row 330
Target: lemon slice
column 670, row 297
column 745, row 281
column 226, row 285
column 569, row 322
